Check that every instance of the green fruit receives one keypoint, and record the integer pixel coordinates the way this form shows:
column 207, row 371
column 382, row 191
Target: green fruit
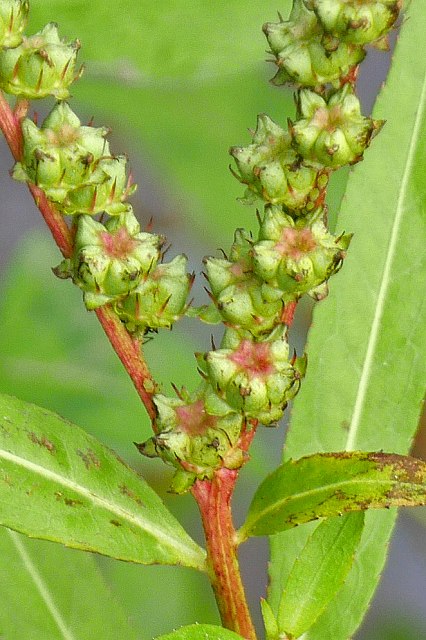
column 332, row 132
column 297, row 256
column 254, row 377
column 159, row 300
column 110, row 261
column 356, row 21
column 73, row 165
column 303, row 52
column 192, row 438
column 13, row 20
column 272, row 170
column 40, row 66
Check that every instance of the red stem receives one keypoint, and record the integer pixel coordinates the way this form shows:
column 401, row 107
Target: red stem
column 213, row 498
column 214, row 501
column 127, row 349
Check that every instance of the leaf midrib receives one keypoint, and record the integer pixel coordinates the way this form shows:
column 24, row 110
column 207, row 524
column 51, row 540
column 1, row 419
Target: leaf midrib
column 312, row 492
column 386, row 279
column 160, row 535
column 41, row 587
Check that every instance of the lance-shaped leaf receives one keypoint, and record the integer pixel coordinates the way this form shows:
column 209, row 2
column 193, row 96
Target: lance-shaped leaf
column 330, row 484
column 52, row 593
column 367, row 347
column 319, row 572
column 59, row 483
column 201, row 632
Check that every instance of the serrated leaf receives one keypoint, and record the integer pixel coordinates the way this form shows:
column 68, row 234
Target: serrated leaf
column 52, row 593
column 367, row 364
column 319, row 572
column 330, row 484
column 201, row 632
column 93, row 500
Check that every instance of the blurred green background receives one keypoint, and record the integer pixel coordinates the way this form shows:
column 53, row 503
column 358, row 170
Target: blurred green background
column 179, row 81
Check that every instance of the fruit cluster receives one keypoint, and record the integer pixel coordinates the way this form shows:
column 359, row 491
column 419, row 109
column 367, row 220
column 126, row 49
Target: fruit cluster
column 254, row 289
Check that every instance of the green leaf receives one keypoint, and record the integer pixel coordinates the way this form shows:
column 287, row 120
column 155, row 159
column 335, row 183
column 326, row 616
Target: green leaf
column 269, row 620
column 190, row 39
column 319, row 572
column 367, row 360
column 330, row 484
column 51, row 593
column 201, row 632
column 94, row 501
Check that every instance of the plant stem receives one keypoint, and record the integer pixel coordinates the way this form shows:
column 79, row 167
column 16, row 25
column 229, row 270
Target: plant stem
column 214, row 498
column 214, row 501
column 128, row 350
column 130, row 354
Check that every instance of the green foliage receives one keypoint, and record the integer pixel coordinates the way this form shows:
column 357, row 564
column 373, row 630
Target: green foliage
column 159, row 82
column 190, row 39
column 41, row 601
column 330, row 484
column 367, row 343
column 94, row 501
column 201, row 632
column 318, row 573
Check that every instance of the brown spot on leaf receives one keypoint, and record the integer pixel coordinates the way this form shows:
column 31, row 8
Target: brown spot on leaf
column 405, row 468
column 125, row 491
column 70, row 502
column 89, row 458
column 42, row 442
column 116, row 523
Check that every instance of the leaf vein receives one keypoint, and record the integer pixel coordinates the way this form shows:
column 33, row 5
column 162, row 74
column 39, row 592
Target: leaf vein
column 386, row 279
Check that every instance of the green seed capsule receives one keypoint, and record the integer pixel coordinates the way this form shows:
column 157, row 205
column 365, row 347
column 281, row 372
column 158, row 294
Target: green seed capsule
column 271, row 168
column 110, row 260
column 354, row 21
column 254, row 377
column 73, row 165
column 298, row 256
column 192, row 438
column 13, row 20
column 159, row 300
column 237, row 292
column 61, row 154
column 332, row 132
column 40, row 66
column 303, row 52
